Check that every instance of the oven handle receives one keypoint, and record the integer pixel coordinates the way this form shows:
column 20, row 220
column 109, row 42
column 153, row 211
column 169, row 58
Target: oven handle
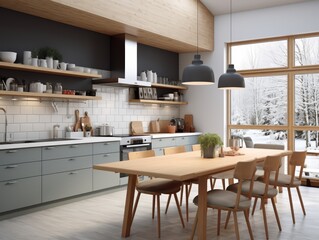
column 137, row 145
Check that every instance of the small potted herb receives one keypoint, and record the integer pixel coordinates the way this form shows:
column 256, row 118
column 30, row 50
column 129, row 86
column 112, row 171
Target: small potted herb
column 87, row 130
column 208, row 142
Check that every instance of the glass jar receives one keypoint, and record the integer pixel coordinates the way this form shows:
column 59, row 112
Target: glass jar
column 58, row 88
column 49, row 87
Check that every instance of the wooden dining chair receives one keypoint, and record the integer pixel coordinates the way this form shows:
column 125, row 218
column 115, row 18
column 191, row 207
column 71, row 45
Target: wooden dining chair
column 196, row 147
column 292, row 181
column 262, row 190
column 232, row 202
column 155, row 187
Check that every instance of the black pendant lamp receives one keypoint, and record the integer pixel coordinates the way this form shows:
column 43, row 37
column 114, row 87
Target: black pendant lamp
column 231, row 79
column 197, row 73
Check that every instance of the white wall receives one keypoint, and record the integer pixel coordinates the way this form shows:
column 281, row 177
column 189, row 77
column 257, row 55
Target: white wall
column 207, row 104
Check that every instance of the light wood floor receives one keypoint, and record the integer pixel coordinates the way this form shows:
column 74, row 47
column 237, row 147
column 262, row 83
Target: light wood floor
column 100, row 218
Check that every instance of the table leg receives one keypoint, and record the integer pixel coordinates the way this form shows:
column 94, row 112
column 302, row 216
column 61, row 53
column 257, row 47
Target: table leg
column 127, row 220
column 202, row 208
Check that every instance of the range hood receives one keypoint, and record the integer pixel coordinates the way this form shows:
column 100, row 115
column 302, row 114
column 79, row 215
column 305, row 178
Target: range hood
column 123, row 63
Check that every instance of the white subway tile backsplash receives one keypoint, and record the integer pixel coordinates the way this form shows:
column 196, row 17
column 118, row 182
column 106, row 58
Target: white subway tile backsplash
column 35, row 119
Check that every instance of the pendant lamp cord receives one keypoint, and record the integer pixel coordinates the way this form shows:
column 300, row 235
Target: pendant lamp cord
column 231, row 29
column 197, row 28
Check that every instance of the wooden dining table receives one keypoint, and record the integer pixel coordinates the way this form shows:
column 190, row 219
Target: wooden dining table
column 181, row 167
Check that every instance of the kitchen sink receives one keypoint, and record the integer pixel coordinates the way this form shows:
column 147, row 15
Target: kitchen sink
column 38, row 140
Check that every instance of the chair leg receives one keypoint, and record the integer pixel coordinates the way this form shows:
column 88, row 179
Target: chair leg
column 227, row 219
column 214, row 183
column 276, row 213
column 265, row 217
column 168, row 201
column 254, row 207
column 218, row 221
column 153, row 207
column 181, row 198
column 236, row 225
column 158, row 217
column 211, row 183
column 301, row 202
column 179, row 210
column 291, row 205
column 135, row 205
column 224, row 184
column 246, row 213
column 186, row 200
column 194, row 225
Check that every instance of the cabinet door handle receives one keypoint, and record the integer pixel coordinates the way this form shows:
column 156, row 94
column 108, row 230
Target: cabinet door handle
column 72, row 159
column 74, row 146
column 72, row 173
column 49, row 148
column 106, row 143
column 12, row 151
column 106, row 155
column 11, row 182
column 11, row 166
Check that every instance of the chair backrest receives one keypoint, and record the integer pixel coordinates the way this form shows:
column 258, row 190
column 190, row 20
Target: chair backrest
column 196, row 147
column 141, row 154
column 248, row 142
column 174, row 150
column 244, row 171
column 271, row 166
column 297, row 159
column 269, row 146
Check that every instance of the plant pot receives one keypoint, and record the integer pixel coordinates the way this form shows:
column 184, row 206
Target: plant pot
column 209, row 152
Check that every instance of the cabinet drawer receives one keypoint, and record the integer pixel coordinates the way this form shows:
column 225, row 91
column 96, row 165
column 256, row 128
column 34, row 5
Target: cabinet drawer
column 163, row 142
column 106, row 158
column 66, row 164
column 66, row 184
column 22, row 170
column 192, row 140
column 159, row 151
column 66, row 151
column 14, row 156
column 20, row 193
column 106, row 147
column 104, row 179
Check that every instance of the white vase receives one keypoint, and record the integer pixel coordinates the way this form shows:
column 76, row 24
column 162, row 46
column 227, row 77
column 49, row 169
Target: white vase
column 49, row 62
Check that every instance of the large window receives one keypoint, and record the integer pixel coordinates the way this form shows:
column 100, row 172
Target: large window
column 281, row 100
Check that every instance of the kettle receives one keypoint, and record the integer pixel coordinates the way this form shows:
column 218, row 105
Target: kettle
column 106, row 130
column 235, row 143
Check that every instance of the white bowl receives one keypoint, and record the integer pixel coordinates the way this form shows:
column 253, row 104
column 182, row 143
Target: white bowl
column 8, row 56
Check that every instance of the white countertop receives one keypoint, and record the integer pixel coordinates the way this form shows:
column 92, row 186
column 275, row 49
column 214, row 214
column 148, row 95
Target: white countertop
column 166, row 135
column 56, row 143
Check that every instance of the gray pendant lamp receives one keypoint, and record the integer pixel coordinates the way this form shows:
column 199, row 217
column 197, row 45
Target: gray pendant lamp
column 231, row 79
column 197, row 73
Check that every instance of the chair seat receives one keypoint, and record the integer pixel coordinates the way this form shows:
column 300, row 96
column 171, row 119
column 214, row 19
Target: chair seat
column 159, row 185
column 222, row 198
column 283, row 180
column 258, row 189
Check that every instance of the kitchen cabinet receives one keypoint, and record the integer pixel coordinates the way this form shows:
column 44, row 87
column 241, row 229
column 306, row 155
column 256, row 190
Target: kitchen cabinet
column 105, row 153
column 22, row 67
column 159, row 144
column 20, row 178
column 66, row 171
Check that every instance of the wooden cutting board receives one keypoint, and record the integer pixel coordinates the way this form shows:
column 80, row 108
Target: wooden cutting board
column 154, row 126
column 163, row 124
column 77, row 125
column 86, row 121
column 188, row 120
column 137, row 127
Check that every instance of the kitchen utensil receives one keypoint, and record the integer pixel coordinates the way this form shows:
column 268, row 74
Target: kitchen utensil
column 179, row 123
column 137, row 127
column 188, row 119
column 77, row 125
column 106, row 130
column 154, row 126
column 8, row 56
column 8, row 82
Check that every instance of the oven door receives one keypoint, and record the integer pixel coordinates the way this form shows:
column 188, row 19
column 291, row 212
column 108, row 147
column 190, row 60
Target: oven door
column 125, row 149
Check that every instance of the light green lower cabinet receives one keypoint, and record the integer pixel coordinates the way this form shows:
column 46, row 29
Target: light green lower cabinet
column 19, row 193
column 66, row 184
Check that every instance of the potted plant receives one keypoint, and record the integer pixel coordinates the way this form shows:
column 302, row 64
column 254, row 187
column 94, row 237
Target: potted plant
column 208, row 142
column 87, row 130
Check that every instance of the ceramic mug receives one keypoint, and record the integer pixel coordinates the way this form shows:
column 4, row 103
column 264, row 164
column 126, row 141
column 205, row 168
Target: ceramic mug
column 43, row 63
column 62, row 66
column 55, row 64
column 70, row 66
column 34, row 62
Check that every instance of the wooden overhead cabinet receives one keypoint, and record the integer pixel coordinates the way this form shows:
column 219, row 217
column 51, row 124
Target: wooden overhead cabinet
column 166, row 24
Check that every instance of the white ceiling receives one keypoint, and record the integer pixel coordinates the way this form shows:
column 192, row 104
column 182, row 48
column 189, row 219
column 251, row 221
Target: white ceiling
column 219, row 7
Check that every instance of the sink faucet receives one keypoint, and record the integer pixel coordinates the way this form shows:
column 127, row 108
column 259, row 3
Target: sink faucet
column 5, row 124
column 55, row 130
